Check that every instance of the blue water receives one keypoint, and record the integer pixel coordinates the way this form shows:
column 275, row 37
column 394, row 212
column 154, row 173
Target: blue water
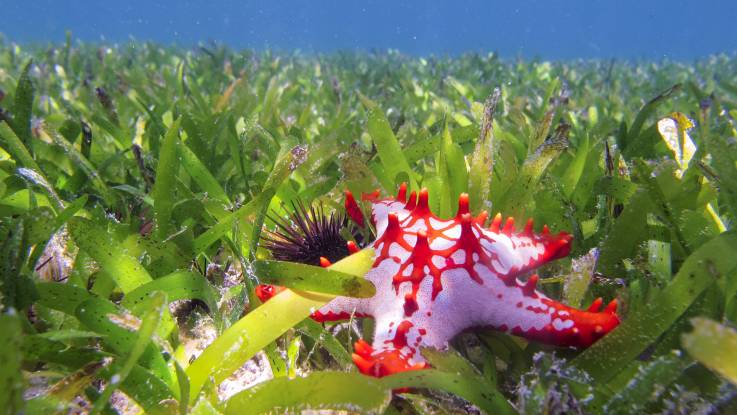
column 552, row 29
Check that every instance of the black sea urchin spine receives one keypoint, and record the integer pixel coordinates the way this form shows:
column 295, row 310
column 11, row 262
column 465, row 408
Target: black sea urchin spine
column 306, row 235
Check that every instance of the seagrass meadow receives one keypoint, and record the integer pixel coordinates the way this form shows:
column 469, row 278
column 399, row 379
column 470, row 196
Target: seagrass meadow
column 146, row 191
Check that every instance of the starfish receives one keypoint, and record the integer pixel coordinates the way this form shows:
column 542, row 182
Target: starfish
column 435, row 278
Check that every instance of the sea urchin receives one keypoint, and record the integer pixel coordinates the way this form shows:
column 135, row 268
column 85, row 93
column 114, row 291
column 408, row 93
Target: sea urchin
column 307, row 235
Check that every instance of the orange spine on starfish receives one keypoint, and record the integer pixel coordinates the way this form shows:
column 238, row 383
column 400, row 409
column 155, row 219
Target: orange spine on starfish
column 351, row 207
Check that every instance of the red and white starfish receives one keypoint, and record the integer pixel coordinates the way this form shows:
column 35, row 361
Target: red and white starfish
column 435, row 278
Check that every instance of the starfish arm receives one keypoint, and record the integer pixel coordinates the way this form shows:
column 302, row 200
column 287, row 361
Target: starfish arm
column 514, row 253
column 395, row 348
column 264, row 292
column 521, row 310
column 341, row 308
column 401, row 325
column 569, row 326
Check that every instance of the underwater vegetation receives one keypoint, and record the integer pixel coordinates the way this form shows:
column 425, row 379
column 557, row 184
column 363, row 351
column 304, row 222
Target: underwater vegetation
column 151, row 197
